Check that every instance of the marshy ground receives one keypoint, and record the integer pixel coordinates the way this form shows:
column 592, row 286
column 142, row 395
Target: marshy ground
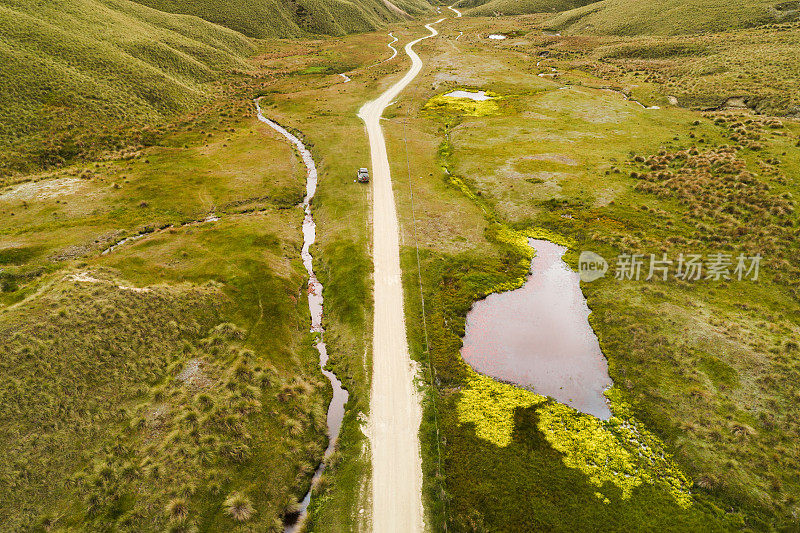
column 705, row 367
column 182, row 362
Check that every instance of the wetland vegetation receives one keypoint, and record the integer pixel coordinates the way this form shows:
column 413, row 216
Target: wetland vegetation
column 172, row 383
column 595, row 171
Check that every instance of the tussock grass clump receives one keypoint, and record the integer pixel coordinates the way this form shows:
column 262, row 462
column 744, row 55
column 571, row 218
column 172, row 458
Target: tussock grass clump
column 657, row 50
column 177, row 509
column 239, row 507
column 726, row 201
column 161, row 417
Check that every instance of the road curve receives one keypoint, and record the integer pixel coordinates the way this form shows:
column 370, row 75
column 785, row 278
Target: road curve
column 395, row 410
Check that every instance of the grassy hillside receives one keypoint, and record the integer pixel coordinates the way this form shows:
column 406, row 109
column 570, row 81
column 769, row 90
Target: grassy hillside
column 671, row 17
column 75, row 76
column 520, row 7
column 756, row 66
column 280, row 18
column 144, row 388
column 79, row 78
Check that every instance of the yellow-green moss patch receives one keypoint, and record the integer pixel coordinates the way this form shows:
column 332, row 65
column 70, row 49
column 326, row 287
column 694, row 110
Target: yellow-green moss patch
column 442, row 103
column 617, row 451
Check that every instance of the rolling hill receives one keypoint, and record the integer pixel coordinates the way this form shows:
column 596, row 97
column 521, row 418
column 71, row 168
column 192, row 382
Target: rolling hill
column 521, row 7
column 280, row 18
column 641, row 17
column 79, row 77
column 672, row 17
column 73, row 73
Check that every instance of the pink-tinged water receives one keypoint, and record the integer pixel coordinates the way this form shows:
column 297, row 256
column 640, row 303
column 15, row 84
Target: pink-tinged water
column 539, row 336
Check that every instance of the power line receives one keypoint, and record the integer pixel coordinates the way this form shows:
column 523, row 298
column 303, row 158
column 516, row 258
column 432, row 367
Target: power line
column 422, row 299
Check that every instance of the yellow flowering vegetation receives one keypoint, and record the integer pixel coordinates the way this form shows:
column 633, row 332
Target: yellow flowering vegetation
column 618, row 451
column 458, row 182
column 519, row 240
column 490, row 405
column 547, row 235
column 464, row 106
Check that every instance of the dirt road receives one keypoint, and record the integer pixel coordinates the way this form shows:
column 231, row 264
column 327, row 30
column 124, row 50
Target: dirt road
column 395, row 410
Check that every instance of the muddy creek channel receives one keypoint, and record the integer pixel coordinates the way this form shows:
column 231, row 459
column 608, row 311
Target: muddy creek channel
column 315, row 305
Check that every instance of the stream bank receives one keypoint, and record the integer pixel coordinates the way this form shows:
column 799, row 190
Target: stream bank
column 315, row 306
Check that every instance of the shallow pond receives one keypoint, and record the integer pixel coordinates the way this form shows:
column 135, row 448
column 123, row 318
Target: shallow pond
column 539, row 336
column 478, row 96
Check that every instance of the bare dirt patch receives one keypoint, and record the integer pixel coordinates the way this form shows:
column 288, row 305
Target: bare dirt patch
column 193, row 375
column 87, row 277
column 553, row 158
column 42, row 190
column 396, row 9
column 735, row 103
column 84, row 277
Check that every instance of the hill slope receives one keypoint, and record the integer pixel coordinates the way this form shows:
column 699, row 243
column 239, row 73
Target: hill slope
column 281, row 18
column 69, row 69
column 672, row 17
column 521, row 7
column 79, row 77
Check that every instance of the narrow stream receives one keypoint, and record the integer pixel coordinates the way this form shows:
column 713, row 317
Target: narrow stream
column 539, row 336
column 315, row 304
column 390, row 45
column 209, row 218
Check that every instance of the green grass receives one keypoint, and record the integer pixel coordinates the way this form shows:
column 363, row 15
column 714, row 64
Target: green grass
column 317, row 103
column 99, row 428
column 640, row 17
column 709, row 369
column 274, row 18
column 78, row 76
column 81, row 79
column 705, row 367
column 705, row 71
column 110, row 415
column 520, row 7
column 483, row 483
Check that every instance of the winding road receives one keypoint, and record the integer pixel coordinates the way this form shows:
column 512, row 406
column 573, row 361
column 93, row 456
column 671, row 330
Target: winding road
column 395, row 410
